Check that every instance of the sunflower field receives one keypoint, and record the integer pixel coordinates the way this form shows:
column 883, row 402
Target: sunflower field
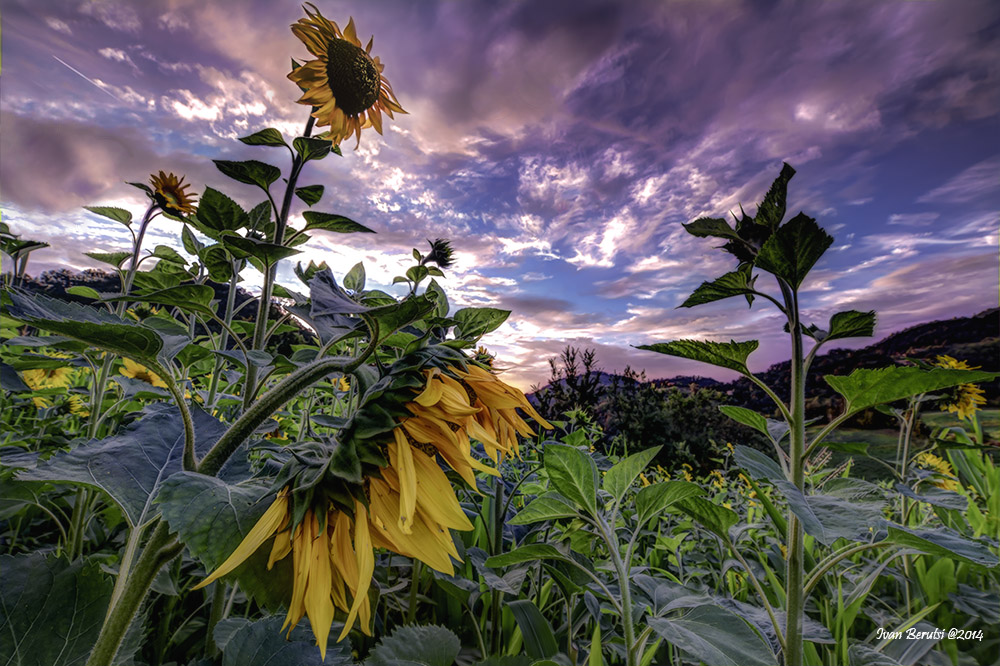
column 184, row 486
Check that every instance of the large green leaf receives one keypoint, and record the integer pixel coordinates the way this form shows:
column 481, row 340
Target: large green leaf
column 50, row 610
column 656, row 498
column 736, row 283
column 772, row 208
column 539, row 640
column 331, row 222
column 716, row 519
column 310, row 148
column 550, row 506
column 860, row 654
column 618, row 479
column 391, row 318
column 112, row 213
column 794, row 249
column 474, row 323
column 715, row 636
column 269, row 253
column 132, row 465
column 711, row 226
column 574, row 475
column 263, row 643
column 866, row 388
column 115, row 259
column 757, row 465
column 850, row 509
column 211, row 517
column 218, row 213
column 265, row 137
column 98, row 328
column 943, row 542
column 529, row 553
column 851, row 324
column 428, row 645
column 187, row 297
column 732, row 354
column 250, row 172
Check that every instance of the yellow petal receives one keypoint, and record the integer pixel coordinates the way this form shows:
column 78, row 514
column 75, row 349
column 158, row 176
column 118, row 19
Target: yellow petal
column 365, row 560
column 319, row 608
column 268, row 524
column 401, row 460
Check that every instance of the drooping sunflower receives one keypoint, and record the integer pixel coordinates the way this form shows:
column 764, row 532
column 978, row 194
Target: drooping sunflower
column 344, row 83
column 941, row 468
column 169, row 194
column 142, row 373
column 966, row 399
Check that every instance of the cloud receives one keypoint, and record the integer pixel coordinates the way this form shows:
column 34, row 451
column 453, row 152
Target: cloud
column 972, row 184
column 913, row 219
column 114, row 14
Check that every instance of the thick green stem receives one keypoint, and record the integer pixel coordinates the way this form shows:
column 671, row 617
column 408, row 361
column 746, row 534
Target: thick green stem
column 796, row 538
column 160, row 549
column 411, row 608
column 269, row 403
column 622, row 569
column 125, row 567
column 214, row 615
column 497, row 595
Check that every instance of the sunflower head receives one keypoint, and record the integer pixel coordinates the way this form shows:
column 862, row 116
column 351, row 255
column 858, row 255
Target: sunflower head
column 441, row 254
column 965, row 399
column 344, row 84
column 170, row 195
column 138, row 371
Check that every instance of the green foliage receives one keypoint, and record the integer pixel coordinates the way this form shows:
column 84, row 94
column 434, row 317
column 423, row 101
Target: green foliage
column 867, row 388
column 730, row 355
column 262, row 643
column 715, row 636
column 422, row 645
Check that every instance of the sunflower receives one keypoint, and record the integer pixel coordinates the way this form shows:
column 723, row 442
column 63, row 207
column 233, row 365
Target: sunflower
column 940, row 467
column 42, row 378
column 966, row 399
column 168, row 193
column 142, row 373
column 344, row 84
column 78, row 406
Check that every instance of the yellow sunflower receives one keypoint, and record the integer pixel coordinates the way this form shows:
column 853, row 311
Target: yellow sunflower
column 169, row 194
column 344, row 83
column 929, row 461
column 41, row 378
column 967, row 399
column 142, row 373
column 78, row 406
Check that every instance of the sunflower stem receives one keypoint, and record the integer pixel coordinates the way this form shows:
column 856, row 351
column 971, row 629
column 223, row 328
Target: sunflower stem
column 264, row 307
column 223, row 339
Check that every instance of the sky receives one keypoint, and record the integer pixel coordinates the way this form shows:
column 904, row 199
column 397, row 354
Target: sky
column 558, row 145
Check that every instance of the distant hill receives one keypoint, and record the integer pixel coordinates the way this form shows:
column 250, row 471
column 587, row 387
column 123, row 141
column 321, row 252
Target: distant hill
column 974, row 339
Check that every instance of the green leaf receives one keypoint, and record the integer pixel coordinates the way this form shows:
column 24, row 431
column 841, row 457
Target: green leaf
column 851, row 324
column 263, row 643
column 756, row 464
column 435, row 291
column 86, row 292
column 618, row 479
column 212, row 517
column 131, row 466
column 269, row 253
column 311, row 194
column 549, row 506
column 574, row 475
column 391, row 318
column 429, row 645
column 97, row 328
column 947, row 499
column 732, row 355
column 747, row 417
column 717, row 519
column 250, row 172
column 331, row 222
column 849, row 509
column 530, row 553
column 191, row 243
column 168, row 254
column 539, row 640
column 860, row 654
column 219, row 263
column 711, row 226
column 866, row 388
column 794, row 249
column 474, row 323
column 187, row 297
column 772, row 208
column 944, row 542
column 652, row 500
column 112, row 213
column 116, row 259
column 311, row 149
column 265, row 137
column 218, row 213
column 715, row 636
column 355, row 278
column 736, row 283
column 51, row 611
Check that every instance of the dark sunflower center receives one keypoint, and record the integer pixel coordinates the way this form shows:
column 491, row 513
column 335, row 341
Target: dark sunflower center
column 354, row 80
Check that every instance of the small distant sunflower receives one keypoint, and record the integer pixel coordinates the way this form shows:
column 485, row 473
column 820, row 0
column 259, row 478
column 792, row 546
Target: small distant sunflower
column 941, row 468
column 78, row 406
column 966, row 399
column 345, row 83
column 142, row 373
column 169, row 194
column 41, row 378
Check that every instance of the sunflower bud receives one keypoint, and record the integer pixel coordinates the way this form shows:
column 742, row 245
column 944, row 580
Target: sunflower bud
column 441, row 253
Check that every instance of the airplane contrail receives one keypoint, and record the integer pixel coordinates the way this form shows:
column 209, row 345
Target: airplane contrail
column 88, row 79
